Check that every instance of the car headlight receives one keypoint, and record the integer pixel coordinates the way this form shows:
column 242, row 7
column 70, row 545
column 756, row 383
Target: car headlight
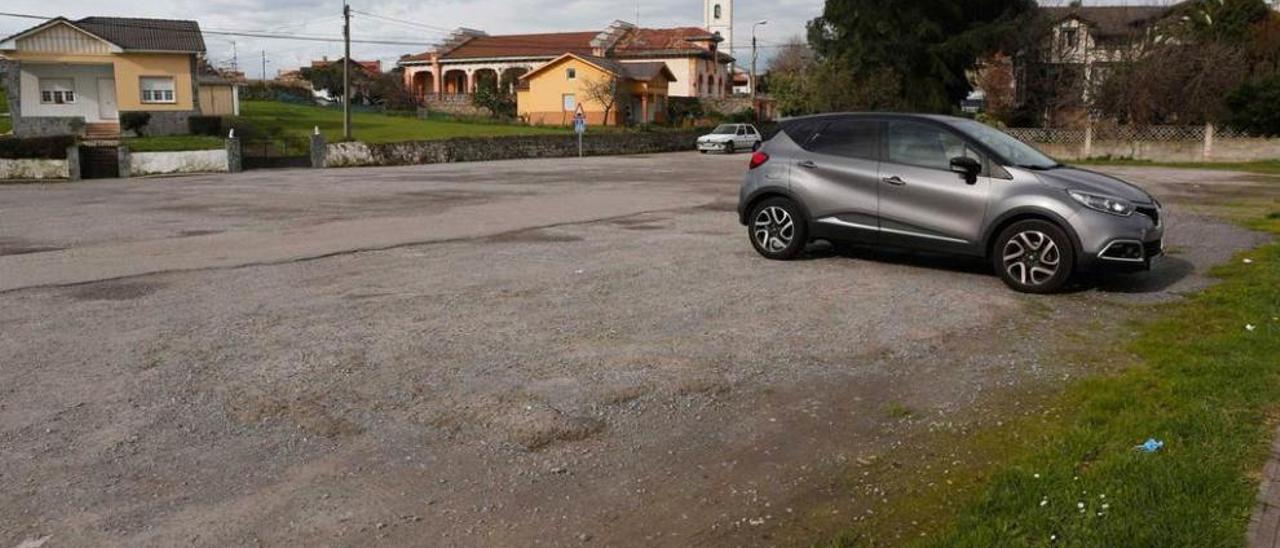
column 1105, row 204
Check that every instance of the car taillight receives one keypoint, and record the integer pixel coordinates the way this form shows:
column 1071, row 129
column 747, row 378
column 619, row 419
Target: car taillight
column 758, row 159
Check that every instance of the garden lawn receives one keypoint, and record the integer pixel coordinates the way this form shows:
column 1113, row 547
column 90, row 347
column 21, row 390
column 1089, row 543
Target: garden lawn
column 175, row 143
column 1206, row 382
column 300, row 120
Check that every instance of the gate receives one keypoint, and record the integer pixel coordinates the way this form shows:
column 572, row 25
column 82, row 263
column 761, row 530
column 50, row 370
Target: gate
column 275, row 153
column 98, row 162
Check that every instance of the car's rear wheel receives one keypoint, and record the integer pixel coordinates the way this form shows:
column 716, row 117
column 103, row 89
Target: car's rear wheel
column 777, row 229
column 728, row 147
column 1033, row 257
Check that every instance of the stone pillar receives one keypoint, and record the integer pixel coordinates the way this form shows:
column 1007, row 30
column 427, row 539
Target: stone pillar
column 1088, row 140
column 471, row 82
column 73, row 163
column 1208, row 141
column 437, row 80
column 319, row 150
column 125, row 159
column 233, row 155
column 644, row 108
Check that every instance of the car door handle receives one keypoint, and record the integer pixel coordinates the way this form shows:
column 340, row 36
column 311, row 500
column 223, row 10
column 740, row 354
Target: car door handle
column 895, row 181
column 807, row 164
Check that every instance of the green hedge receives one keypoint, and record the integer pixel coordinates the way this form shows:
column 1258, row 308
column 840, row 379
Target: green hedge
column 36, row 148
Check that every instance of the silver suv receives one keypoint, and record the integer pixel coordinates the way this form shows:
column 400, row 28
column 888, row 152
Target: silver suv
column 944, row 184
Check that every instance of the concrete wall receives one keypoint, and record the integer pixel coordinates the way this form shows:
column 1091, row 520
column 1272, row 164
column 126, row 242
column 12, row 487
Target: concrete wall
column 32, row 169
column 504, row 148
column 196, row 161
column 1223, row 150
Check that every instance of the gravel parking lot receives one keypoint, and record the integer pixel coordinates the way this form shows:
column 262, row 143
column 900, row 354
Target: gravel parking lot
column 553, row 352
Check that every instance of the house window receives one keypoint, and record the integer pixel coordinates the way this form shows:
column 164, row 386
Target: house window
column 157, row 89
column 570, row 102
column 1071, row 37
column 571, row 73
column 57, row 91
column 717, row 11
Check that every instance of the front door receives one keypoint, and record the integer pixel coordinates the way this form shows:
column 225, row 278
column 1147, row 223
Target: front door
column 107, row 99
column 923, row 203
column 839, row 177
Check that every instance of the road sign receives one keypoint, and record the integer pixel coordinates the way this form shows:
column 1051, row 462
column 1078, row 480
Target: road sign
column 579, row 126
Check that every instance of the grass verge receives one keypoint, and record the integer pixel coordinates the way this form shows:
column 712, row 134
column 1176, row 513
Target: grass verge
column 175, row 143
column 1269, row 167
column 300, row 120
column 1200, row 381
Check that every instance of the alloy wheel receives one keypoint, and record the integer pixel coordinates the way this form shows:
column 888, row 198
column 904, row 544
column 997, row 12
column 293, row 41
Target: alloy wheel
column 1031, row 257
column 774, row 229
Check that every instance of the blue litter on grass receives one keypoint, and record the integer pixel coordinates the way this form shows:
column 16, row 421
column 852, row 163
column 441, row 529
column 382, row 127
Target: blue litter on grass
column 1151, row 446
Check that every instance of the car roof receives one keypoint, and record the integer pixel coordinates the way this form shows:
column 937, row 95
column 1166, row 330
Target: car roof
column 949, row 120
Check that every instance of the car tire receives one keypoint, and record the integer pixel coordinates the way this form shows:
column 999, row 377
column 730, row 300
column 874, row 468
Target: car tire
column 729, row 148
column 702, row 152
column 1033, row 256
column 778, row 229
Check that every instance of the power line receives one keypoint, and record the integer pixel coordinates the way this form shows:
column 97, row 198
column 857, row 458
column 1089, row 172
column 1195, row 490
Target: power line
column 247, row 34
column 404, row 21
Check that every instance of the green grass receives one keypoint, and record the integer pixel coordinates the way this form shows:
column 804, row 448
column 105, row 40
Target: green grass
column 6, row 125
column 299, row 120
column 1193, row 377
column 1268, row 167
column 174, row 143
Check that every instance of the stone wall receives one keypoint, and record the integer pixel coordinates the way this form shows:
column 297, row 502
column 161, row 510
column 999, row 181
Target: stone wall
column 192, row 161
column 504, row 148
column 726, row 105
column 165, row 123
column 22, row 170
column 457, row 105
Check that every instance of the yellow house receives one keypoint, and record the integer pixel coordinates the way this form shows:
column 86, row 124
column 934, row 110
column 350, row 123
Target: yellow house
column 78, row 77
column 550, row 94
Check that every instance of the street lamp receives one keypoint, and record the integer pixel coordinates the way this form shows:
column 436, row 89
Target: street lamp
column 754, row 106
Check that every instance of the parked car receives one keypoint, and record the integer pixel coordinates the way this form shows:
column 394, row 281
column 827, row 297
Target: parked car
column 944, row 184
column 728, row 138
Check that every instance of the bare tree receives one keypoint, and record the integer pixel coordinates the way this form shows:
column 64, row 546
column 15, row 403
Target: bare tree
column 994, row 76
column 606, row 90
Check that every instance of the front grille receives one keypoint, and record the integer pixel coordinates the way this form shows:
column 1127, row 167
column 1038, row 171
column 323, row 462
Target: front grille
column 1152, row 212
column 1153, row 249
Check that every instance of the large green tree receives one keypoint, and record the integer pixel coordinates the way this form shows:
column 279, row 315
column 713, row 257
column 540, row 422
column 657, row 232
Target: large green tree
column 917, row 52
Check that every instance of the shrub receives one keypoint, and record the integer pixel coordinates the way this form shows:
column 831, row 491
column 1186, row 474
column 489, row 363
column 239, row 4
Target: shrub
column 277, row 91
column 135, row 121
column 1252, row 106
column 205, row 125
column 680, row 109
column 40, row 148
column 744, row 116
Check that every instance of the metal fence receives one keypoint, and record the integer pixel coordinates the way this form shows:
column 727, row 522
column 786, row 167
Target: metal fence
column 1152, row 134
column 1156, row 143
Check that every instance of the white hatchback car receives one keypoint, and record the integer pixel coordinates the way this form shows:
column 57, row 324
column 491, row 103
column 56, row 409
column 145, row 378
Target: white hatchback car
column 729, row 138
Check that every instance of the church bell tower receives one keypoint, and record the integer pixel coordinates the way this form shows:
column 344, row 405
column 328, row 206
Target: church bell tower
column 717, row 18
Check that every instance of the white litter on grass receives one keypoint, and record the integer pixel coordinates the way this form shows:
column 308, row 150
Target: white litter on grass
column 1250, row 327
column 1037, row 476
column 1080, row 505
column 1248, row 261
column 1044, row 502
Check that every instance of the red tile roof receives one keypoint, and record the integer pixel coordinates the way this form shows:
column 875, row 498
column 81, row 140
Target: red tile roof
column 524, row 45
column 637, row 43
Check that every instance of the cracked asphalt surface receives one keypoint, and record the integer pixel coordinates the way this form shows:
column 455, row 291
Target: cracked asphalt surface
column 553, row 352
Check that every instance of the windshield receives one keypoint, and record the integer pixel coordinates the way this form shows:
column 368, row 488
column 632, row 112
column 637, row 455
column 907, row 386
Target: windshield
column 726, row 129
column 1018, row 154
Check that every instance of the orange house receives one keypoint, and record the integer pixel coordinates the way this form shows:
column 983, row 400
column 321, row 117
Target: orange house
column 552, row 93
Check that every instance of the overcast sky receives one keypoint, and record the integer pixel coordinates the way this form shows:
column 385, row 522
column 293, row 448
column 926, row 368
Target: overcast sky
column 323, row 18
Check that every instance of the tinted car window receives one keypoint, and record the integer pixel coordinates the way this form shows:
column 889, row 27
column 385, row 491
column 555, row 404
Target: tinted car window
column 801, row 131
column 923, row 145
column 848, row 138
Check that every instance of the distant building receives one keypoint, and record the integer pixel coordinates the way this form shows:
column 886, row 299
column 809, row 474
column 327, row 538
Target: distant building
column 79, row 77
column 469, row 56
column 552, row 93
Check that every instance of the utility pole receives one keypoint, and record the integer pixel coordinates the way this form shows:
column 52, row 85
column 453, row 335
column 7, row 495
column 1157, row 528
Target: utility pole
column 235, row 57
column 264, row 65
column 755, row 106
column 346, row 71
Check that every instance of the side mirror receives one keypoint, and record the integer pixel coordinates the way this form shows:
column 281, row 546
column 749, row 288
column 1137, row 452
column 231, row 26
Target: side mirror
column 968, row 167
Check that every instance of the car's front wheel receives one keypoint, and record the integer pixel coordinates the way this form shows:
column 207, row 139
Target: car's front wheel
column 1034, row 257
column 777, row 229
